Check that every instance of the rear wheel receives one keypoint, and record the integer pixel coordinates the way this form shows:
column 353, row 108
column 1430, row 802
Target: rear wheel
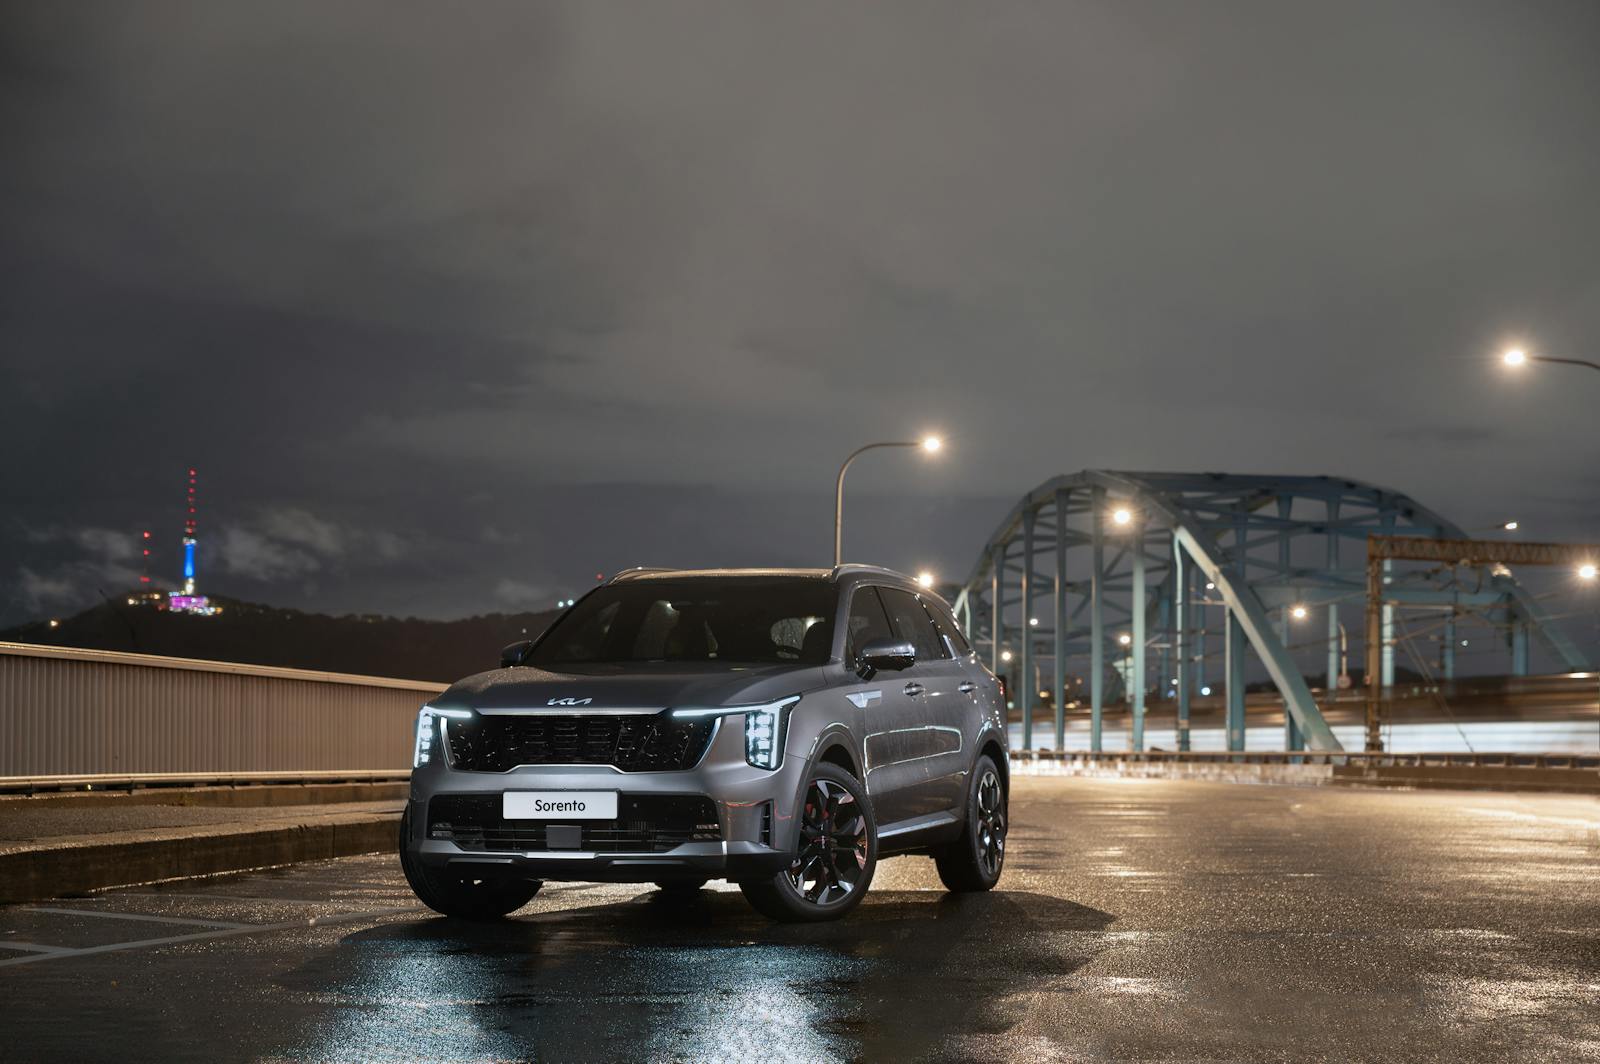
column 974, row 861
column 838, row 851
column 463, row 897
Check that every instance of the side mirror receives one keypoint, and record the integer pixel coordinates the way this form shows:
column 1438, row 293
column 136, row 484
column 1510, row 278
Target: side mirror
column 513, row 655
column 884, row 653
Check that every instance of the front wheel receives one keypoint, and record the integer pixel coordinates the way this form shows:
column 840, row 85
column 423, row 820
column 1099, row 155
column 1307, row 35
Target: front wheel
column 459, row 896
column 838, row 850
column 974, row 861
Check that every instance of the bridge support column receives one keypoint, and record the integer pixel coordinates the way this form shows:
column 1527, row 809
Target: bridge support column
column 1059, row 688
column 997, row 598
column 1333, row 650
column 1181, row 580
column 1447, row 652
column 1519, row 646
column 1136, row 673
column 1026, row 686
column 1388, row 629
column 1097, row 631
column 1233, row 650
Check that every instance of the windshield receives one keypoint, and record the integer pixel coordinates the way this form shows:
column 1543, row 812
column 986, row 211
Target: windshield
column 766, row 620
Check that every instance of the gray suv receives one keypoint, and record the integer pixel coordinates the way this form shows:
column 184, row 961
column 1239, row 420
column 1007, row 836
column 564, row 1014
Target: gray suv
column 783, row 729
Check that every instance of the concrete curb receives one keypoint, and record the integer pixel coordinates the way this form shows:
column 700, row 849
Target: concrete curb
column 61, row 867
column 248, row 797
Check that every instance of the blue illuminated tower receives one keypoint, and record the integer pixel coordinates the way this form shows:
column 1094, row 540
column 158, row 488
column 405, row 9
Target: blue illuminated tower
column 189, row 540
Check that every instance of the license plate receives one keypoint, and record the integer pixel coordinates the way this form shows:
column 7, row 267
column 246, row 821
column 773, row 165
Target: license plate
column 559, row 805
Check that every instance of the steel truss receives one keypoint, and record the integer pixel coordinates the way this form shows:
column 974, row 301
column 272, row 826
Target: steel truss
column 1255, row 547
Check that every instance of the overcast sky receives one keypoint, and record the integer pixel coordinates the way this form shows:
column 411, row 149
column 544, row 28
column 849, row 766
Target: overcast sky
column 454, row 306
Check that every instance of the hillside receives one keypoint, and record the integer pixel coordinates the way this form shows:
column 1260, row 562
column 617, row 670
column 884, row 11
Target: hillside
column 250, row 633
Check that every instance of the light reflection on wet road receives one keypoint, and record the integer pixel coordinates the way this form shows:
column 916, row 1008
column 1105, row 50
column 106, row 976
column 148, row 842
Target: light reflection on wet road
column 1153, row 920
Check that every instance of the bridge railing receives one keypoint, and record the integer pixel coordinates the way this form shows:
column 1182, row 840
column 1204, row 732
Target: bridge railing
column 70, row 712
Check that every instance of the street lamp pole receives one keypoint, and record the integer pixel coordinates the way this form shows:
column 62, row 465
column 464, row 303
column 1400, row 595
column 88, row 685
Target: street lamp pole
column 929, row 444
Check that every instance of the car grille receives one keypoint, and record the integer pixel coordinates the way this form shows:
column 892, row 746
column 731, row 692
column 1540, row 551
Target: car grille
column 645, row 823
column 652, row 742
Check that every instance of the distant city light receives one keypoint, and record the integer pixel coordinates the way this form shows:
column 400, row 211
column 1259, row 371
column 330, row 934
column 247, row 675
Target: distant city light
column 1210, row 586
column 54, row 623
column 1033, row 622
column 1511, row 526
column 1205, row 690
column 925, row 578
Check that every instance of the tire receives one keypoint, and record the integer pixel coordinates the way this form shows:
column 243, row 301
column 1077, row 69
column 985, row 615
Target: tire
column 459, row 896
column 835, row 860
column 975, row 860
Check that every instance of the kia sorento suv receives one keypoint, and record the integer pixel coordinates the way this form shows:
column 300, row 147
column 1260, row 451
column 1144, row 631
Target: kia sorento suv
column 782, row 729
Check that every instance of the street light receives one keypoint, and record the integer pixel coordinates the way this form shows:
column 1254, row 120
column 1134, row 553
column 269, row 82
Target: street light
column 1125, row 639
column 928, row 444
column 1122, row 516
column 1298, row 613
column 1511, row 526
column 1517, row 357
column 1588, row 571
column 924, row 579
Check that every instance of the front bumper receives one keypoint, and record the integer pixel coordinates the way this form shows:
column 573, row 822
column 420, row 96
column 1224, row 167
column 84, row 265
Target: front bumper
column 754, row 810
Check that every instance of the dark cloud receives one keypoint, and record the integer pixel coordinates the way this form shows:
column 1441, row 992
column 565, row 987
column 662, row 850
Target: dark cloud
column 456, row 305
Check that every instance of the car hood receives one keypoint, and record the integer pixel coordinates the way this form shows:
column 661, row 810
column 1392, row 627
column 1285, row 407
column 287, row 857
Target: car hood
column 626, row 687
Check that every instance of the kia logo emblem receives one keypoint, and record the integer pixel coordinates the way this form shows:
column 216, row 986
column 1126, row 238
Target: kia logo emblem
column 569, row 701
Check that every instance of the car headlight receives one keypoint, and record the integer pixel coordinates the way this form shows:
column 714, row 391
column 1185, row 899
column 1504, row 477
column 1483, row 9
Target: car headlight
column 428, row 731
column 764, row 728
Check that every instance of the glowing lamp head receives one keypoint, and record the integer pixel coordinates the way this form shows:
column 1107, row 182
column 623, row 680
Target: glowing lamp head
column 1005, row 655
column 1122, row 516
column 924, row 579
column 1588, row 571
column 1511, row 526
column 1515, row 356
column 931, row 444
column 1298, row 613
column 1125, row 639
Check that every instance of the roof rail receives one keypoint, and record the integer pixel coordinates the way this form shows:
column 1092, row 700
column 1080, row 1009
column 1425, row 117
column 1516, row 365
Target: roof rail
column 640, row 570
column 861, row 567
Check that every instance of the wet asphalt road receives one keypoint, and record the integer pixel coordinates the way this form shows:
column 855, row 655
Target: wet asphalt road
column 1137, row 920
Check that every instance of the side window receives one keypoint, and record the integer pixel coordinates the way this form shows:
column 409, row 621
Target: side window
column 946, row 623
column 867, row 622
column 911, row 622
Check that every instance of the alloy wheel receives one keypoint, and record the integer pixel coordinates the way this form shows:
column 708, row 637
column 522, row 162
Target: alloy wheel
column 991, row 824
column 833, row 845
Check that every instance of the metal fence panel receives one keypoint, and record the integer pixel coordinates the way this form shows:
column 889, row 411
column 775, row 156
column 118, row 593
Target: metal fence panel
column 67, row 711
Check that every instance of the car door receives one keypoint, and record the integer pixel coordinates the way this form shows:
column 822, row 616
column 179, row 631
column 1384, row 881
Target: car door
column 887, row 711
column 933, row 745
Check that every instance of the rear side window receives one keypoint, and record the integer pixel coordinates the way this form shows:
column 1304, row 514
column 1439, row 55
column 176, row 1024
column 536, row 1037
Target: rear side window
column 868, row 621
column 946, row 623
column 911, row 622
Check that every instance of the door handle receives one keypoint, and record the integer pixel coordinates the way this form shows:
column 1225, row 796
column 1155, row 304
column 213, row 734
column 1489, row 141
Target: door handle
column 967, row 687
column 913, row 688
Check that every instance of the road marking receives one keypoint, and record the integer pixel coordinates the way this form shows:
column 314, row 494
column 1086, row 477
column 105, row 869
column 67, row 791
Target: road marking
column 35, row 947
column 135, row 916
column 224, row 932
column 226, row 897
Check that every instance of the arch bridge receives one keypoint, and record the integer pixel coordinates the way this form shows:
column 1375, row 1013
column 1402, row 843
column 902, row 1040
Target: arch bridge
column 1118, row 572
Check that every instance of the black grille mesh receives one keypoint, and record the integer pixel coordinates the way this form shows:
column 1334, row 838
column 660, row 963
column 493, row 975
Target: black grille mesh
column 652, row 742
column 645, row 824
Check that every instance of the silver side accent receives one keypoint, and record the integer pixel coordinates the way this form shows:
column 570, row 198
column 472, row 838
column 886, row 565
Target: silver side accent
column 932, row 820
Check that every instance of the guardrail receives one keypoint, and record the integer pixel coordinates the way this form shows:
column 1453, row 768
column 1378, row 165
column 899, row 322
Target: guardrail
column 66, row 712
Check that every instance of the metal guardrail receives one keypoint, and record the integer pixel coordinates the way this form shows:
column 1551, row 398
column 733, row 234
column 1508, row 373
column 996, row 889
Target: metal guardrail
column 148, row 781
column 70, row 712
column 1575, row 762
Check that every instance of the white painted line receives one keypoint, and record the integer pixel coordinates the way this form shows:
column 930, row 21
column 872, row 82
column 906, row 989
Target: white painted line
column 35, row 947
column 135, row 916
column 171, row 894
column 225, row 932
